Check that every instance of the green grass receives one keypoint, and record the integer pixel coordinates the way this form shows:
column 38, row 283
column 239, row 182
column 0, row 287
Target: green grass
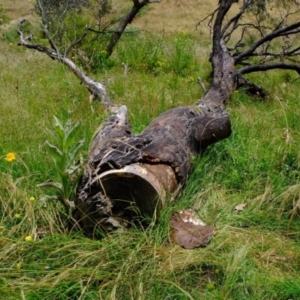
column 256, row 252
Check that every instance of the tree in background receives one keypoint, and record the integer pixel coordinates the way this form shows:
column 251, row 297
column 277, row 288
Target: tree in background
column 65, row 24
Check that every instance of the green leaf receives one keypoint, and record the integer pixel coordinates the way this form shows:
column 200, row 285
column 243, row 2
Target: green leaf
column 54, row 152
column 60, row 130
column 70, row 134
column 52, row 184
column 73, row 169
column 64, row 155
column 72, row 153
column 58, row 123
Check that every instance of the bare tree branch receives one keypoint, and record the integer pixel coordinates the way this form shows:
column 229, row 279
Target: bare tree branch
column 127, row 19
column 261, row 47
column 251, row 88
column 233, row 22
column 216, row 98
column 263, row 34
column 260, row 68
column 97, row 90
column 269, row 37
column 78, row 41
column 211, row 16
column 240, row 42
column 45, row 25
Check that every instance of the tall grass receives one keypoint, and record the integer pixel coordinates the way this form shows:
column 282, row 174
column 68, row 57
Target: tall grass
column 256, row 252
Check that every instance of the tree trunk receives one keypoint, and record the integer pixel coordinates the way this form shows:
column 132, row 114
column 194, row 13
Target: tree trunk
column 130, row 177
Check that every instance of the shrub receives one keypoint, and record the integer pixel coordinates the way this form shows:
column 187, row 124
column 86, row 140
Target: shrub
column 4, row 19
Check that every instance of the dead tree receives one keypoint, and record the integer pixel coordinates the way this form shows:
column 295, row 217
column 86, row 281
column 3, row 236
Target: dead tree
column 96, row 89
column 128, row 175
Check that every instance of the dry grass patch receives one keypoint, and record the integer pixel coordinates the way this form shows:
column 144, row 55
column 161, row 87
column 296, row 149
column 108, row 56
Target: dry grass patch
column 17, row 8
column 174, row 15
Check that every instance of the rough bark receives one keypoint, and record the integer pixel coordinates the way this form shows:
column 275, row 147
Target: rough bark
column 165, row 147
column 250, row 88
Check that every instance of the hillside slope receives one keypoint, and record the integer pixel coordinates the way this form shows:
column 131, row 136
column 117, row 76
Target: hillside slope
column 169, row 15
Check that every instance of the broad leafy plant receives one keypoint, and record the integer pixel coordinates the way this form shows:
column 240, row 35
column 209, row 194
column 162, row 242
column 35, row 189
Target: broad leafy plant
column 65, row 157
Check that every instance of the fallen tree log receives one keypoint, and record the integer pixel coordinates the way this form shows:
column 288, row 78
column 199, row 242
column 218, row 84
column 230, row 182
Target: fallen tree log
column 162, row 150
column 128, row 177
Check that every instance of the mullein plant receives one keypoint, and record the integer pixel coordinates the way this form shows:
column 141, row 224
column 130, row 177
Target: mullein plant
column 65, row 157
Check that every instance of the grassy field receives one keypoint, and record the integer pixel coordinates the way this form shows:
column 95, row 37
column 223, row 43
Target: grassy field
column 255, row 253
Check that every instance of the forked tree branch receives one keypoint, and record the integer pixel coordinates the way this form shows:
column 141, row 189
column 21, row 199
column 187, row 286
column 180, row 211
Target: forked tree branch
column 288, row 30
column 233, row 22
column 78, row 41
column 262, row 46
column 261, row 68
column 124, row 21
column 96, row 89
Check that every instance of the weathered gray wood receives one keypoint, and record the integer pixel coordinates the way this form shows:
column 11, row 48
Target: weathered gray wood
column 164, row 147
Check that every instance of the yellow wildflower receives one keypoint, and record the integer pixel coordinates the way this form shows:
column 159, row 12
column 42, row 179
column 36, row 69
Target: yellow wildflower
column 17, row 216
column 217, row 271
column 28, row 238
column 210, row 286
column 10, row 156
column 190, row 79
column 31, row 199
column 160, row 63
column 18, row 265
